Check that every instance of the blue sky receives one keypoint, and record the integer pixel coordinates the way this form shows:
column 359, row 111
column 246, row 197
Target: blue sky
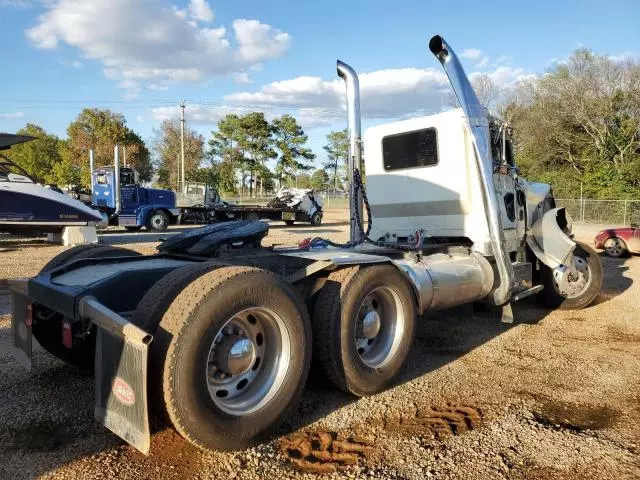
column 140, row 57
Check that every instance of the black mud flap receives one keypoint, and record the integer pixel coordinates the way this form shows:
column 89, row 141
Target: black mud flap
column 21, row 318
column 121, row 375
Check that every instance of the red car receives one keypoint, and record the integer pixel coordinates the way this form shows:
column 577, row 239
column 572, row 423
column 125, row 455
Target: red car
column 617, row 242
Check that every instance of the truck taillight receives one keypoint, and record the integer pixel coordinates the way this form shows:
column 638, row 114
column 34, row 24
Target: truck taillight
column 28, row 319
column 67, row 335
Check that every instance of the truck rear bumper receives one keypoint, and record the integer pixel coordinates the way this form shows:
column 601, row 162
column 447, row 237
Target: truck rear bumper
column 121, row 402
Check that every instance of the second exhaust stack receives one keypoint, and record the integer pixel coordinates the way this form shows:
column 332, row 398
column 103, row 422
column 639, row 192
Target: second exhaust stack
column 352, row 84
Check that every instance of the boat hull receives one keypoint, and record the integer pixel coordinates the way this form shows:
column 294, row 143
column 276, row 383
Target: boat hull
column 31, row 208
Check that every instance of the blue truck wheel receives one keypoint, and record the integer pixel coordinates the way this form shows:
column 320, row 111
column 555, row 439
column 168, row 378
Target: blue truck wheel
column 158, row 221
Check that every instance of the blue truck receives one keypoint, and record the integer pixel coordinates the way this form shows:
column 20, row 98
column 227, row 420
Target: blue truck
column 117, row 193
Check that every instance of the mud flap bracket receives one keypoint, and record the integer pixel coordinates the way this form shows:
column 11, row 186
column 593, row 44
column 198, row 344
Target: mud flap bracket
column 121, row 402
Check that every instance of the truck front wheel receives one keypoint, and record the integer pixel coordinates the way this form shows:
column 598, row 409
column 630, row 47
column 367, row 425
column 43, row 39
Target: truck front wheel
column 363, row 327
column 158, row 221
column 232, row 354
column 582, row 288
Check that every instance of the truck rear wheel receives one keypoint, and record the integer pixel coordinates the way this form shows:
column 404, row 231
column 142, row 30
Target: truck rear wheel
column 232, row 353
column 158, row 221
column 48, row 332
column 364, row 326
column 581, row 290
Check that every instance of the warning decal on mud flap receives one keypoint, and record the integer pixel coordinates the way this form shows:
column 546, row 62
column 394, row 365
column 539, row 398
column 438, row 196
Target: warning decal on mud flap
column 123, row 392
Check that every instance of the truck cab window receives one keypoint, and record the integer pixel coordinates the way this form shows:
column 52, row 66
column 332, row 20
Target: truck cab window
column 127, row 177
column 410, row 150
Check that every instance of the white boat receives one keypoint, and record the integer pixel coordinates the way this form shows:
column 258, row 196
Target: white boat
column 26, row 206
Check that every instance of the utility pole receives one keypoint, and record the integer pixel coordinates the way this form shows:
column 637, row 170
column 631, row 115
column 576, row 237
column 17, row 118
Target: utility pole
column 177, row 173
column 124, row 155
column 182, row 105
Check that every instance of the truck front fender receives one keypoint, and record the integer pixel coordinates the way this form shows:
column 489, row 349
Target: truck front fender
column 549, row 238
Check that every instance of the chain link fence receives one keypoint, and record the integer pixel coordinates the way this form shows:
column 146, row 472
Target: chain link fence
column 613, row 212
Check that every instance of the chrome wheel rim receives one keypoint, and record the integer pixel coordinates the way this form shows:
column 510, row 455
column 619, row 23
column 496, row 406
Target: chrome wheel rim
column 248, row 361
column 579, row 279
column 379, row 327
column 158, row 221
column 613, row 247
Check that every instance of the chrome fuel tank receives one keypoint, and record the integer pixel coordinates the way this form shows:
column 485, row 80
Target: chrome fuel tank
column 444, row 280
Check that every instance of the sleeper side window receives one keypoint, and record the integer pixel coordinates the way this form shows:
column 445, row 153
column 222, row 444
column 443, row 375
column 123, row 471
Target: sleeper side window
column 410, row 149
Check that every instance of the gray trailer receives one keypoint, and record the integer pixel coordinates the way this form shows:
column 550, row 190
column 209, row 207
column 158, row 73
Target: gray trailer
column 201, row 203
column 215, row 333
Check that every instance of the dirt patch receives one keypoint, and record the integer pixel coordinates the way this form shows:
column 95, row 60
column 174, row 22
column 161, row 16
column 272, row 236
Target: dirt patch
column 573, row 416
column 171, row 456
column 325, row 452
column 438, row 422
column 619, row 335
column 41, row 437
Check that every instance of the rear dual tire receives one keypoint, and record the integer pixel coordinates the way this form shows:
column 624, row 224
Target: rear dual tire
column 230, row 355
column 364, row 327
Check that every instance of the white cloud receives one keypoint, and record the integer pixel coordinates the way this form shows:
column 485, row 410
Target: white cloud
column 200, row 10
column 153, row 42
column 622, row 57
column 482, row 63
column 385, row 93
column 242, row 78
column 471, row 53
column 504, row 76
column 12, row 115
column 199, row 114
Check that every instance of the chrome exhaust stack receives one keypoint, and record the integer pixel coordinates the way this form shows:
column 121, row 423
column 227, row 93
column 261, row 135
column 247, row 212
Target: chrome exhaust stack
column 478, row 120
column 352, row 84
column 116, row 179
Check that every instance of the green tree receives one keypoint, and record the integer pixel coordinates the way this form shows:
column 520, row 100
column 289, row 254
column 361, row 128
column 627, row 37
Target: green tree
column 226, row 151
column 337, row 149
column 137, row 155
column 256, row 141
column 101, row 130
column 39, row 156
column 580, row 124
column 66, row 171
column 303, row 180
column 167, row 149
column 290, row 140
column 319, row 180
column 245, row 143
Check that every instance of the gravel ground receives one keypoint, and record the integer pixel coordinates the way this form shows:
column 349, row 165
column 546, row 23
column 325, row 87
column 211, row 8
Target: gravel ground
column 554, row 396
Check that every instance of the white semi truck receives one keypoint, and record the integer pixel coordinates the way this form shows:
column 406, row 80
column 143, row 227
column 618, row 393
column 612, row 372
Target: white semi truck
column 216, row 333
